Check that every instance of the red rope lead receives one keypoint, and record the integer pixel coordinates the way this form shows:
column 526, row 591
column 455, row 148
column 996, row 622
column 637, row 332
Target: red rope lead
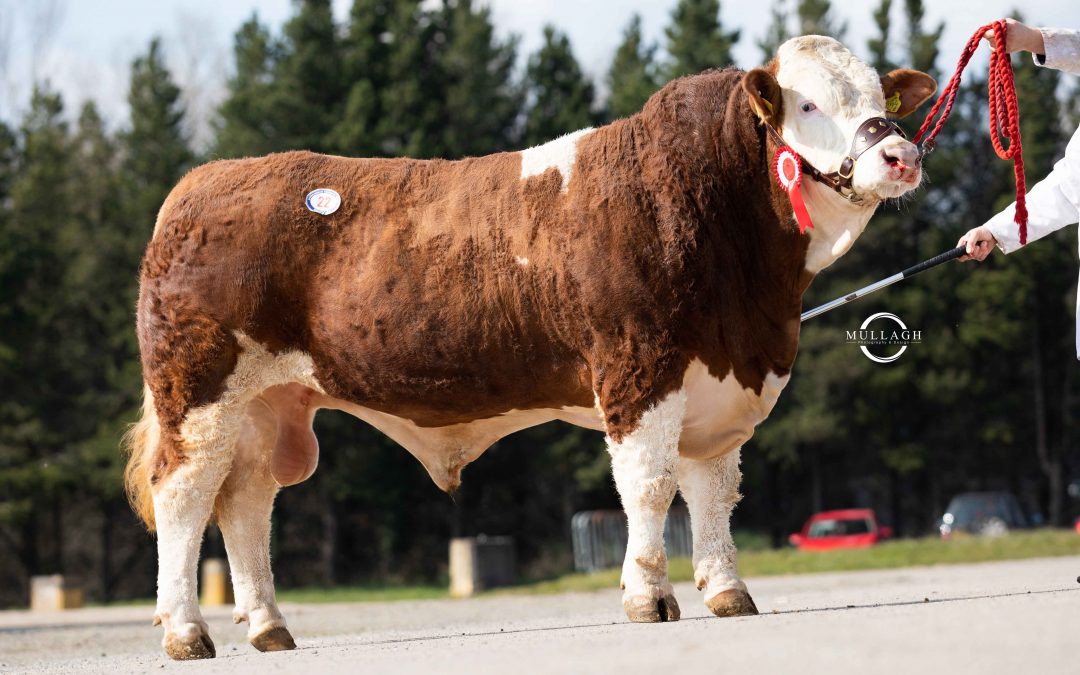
column 1004, row 111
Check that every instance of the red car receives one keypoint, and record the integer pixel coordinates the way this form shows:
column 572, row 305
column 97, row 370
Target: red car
column 849, row 528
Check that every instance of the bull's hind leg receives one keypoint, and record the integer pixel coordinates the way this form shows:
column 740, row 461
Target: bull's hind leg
column 187, row 360
column 244, row 508
column 711, row 490
column 644, row 464
column 183, row 500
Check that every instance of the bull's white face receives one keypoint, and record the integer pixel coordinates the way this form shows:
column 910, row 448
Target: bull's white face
column 827, row 94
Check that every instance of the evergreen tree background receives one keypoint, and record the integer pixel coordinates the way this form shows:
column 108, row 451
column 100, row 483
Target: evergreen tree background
column 560, row 96
column 634, row 75
column 815, row 17
column 246, row 122
column 777, row 32
column 309, row 84
column 988, row 401
column 478, row 101
column 879, row 46
column 696, row 38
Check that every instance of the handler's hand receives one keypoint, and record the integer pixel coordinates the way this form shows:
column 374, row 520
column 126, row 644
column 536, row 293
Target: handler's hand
column 1019, row 38
column 979, row 242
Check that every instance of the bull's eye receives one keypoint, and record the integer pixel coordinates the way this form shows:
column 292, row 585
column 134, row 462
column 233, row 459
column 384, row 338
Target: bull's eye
column 808, row 107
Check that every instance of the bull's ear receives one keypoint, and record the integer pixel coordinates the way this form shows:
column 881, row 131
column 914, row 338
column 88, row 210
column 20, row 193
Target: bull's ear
column 763, row 91
column 905, row 90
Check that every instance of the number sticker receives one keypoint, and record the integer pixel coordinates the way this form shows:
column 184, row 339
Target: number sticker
column 323, row 201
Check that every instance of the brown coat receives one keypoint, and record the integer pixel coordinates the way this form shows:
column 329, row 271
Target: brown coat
column 450, row 291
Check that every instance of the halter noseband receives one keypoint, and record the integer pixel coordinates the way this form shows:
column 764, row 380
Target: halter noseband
column 870, row 133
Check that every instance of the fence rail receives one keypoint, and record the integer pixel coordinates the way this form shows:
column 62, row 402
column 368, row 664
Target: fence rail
column 599, row 538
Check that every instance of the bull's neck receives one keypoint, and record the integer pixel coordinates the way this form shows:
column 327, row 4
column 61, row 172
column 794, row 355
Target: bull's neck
column 773, row 255
column 837, row 224
column 747, row 272
column 744, row 265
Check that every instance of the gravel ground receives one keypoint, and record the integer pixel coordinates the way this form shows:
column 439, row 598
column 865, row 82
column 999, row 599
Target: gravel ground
column 1005, row 617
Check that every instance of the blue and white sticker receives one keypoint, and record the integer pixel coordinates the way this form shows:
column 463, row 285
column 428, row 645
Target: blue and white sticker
column 323, row 201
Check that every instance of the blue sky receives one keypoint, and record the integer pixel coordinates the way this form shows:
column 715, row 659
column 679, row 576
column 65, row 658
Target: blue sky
column 87, row 45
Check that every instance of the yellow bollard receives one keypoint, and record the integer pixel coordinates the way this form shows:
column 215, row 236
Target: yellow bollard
column 215, row 584
column 54, row 592
column 480, row 563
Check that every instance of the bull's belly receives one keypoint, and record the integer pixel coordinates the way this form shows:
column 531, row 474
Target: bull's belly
column 720, row 413
column 445, row 450
column 720, row 416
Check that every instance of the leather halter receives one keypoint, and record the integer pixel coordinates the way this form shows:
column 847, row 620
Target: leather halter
column 870, row 133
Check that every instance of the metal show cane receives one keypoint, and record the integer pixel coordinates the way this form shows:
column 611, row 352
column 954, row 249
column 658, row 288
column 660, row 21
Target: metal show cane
column 888, row 281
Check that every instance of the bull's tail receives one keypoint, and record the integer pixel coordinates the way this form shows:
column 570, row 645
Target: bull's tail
column 140, row 442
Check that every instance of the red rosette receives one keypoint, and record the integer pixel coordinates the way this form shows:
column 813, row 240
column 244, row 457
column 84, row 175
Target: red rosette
column 787, row 166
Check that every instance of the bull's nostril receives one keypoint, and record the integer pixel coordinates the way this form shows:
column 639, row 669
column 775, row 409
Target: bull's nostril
column 889, row 159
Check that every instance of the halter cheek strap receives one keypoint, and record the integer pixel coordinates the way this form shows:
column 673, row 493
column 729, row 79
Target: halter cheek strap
column 870, row 133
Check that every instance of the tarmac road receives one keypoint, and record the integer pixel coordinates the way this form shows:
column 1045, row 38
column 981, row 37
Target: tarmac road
column 1014, row 617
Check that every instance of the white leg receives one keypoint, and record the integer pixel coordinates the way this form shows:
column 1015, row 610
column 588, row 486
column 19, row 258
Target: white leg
column 183, row 501
column 711, row 490
column 644, row 465
column 246, row 502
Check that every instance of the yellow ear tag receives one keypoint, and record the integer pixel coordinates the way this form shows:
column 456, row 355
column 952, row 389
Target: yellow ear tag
column 762, row 114
column 892, row 104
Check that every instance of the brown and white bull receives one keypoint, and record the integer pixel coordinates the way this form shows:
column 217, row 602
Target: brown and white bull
column 644, row 278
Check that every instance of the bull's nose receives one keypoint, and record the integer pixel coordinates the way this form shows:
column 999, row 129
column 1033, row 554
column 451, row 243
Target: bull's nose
column 901, row 156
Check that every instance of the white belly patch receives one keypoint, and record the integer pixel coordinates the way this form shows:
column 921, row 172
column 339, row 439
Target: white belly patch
column 444, row 451
column 721, row 414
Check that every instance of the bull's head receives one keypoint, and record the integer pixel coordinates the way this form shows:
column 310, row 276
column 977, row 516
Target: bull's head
column 822, row 100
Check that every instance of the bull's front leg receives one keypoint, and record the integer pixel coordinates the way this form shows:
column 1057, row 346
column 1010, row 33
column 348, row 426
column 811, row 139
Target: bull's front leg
column 644, row 463
column 711, row 490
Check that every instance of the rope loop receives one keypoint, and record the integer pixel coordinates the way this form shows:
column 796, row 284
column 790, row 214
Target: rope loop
column 1003, row 107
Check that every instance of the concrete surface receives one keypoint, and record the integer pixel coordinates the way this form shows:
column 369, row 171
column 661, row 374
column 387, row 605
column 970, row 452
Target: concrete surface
column 1009, row 617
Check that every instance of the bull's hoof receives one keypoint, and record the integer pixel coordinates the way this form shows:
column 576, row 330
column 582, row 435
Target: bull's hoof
column 188, row 649
column 649, row 609
column 733, row 602
column 274, row 640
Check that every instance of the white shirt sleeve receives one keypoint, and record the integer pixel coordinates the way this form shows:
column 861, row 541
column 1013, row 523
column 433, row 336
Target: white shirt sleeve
column 1052, row 204
column 1062, row 50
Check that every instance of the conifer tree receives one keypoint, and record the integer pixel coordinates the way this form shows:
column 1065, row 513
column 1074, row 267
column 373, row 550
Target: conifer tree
column 479, row 99
column 365, row 55
column 561, row 96
column 632, row 78
column 777, row 33
column 8, row 173
column 156, row 151
column 308, row 84
column 247, row 122
column 922, row 44
column 38, row 412
column 815, row 18
column 101, row 284
column 8, row 151
column 879, row 46
column 409, row 99
column 31, row 251
column 99, row 225
column 697, row 39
